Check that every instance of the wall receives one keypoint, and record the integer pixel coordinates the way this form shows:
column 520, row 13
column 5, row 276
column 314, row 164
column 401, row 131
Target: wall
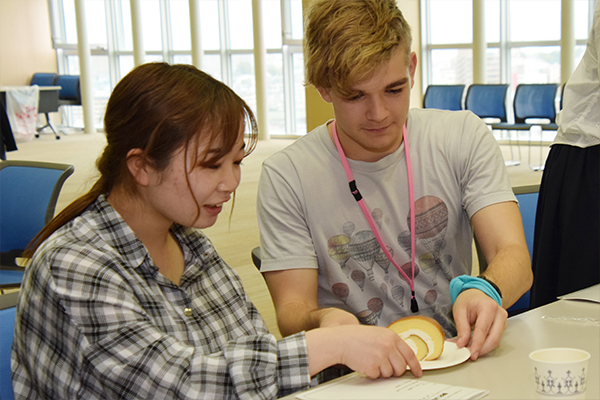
column 25, row 41
column 318, row 111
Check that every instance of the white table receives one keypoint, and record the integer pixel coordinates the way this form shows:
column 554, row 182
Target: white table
column 507, row 373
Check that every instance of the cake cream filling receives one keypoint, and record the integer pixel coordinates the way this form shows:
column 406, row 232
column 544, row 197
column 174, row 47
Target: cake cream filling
column 423, row 335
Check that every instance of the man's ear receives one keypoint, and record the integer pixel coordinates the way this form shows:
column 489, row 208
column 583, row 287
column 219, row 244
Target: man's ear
column 412, row 67
column 138, row 168
column 325, row 95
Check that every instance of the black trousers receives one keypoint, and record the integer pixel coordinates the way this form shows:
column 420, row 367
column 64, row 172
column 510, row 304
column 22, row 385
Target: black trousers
column 566, row 249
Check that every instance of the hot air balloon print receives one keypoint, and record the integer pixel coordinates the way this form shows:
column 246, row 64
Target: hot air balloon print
column 337, row 248
column 404, row 241
column 367, row 317
column 431, row 221
column 363, row 247
column 375, row 305
column 358, row 277
column 382, row 260
column 383, row 288
column 430, row 297
column 341, row 291
column 398, row 294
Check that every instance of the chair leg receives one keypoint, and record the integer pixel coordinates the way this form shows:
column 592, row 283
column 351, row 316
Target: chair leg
column 512, row 162
column 48, row 124
column 539, row 130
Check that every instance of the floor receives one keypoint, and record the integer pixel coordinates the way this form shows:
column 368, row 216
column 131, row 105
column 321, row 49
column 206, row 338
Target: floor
column 235, row 234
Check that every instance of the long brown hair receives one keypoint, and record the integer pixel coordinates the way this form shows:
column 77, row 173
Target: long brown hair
column 159, row 108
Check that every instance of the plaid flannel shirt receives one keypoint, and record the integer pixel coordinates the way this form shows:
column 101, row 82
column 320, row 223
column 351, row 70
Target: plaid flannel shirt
column 96, row 320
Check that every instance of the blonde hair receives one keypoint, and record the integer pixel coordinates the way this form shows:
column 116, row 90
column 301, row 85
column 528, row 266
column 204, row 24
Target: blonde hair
column 346, row 40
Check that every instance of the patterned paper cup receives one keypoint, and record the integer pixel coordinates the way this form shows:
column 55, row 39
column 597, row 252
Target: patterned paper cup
column 560, row 371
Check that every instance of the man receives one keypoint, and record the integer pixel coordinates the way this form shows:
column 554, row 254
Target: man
column 321, row 256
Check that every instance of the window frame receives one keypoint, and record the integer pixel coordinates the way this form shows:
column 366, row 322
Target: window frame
column 115, row 26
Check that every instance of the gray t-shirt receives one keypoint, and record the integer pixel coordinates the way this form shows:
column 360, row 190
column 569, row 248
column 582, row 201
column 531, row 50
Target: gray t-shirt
column 309, row 219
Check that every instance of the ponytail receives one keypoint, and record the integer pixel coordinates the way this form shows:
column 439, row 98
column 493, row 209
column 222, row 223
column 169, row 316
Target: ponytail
column 65, row 216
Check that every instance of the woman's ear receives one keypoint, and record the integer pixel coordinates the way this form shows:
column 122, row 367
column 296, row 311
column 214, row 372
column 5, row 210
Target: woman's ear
column 138, row 168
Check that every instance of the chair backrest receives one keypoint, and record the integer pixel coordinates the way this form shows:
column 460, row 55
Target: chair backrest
column 535, row 101
column 7, row 329
column 69, row 89
column 527, row 196
column 487, row 101
column 444, row 97
column 43, row 79
column 28, row 194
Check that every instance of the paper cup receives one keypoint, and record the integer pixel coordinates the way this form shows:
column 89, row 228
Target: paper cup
column 560, row 371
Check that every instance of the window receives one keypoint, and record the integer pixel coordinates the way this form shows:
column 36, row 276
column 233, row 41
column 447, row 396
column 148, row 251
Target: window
column 519, row 49
column 227, row 43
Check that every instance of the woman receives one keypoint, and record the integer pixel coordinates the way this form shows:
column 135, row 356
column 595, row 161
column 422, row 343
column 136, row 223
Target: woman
column 125, row 298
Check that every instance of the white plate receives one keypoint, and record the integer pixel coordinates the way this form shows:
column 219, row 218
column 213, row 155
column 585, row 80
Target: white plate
column 451, row 356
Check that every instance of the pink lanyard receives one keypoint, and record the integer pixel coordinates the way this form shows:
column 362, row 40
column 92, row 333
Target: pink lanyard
column 361, row 202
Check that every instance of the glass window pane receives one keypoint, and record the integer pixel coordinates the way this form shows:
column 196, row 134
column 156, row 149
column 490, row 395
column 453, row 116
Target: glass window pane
column 182, row 59
column 492, row 21
column 209, row 24
column 492, row 66
column 242, row 67
column 451, row 66
column 125, row 65
column 180, row 24
column 271, row 10
column 535, row 65
column 124, row 33
column 70, row 21
column 299, row 93
column 211, row 64
column 451, row 21
column 100, row 86
column 297, row 19
column 240, row 24
column 582, row 14
column 545, row 25
column 154, row 58
column 95, row 15
column 151, row 26
column 275, row 94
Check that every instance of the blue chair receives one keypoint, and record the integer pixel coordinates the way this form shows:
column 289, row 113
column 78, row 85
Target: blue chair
column 528, row 199
column 444, row 97
column 527, row 196
column 533, row 101
column 28, row 194
column 70, row 90
column 48, row 99
column 8, row 309
column 488, row 102
column 43, row 79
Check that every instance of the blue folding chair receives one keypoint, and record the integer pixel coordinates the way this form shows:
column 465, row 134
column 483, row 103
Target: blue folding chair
column 444, row 97
column 48, row 99
column 28, row 194
column 488, row 102
column 533, row 101
column 8, row 310
column 527, row 196
column 70, row 91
